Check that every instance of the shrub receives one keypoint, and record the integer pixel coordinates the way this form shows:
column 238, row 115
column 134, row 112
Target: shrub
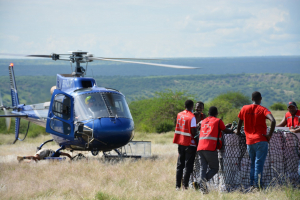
column 149, row 115
column 278, row 106
column 164, row 127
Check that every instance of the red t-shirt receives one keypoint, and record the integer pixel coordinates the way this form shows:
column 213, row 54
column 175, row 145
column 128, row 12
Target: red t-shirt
column 255, row 127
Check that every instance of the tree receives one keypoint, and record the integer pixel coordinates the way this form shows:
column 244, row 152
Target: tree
column 228, row 104
column 278, row 106
column 158, row 114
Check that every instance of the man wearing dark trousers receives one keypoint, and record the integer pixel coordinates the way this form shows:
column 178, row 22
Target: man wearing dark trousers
column 209, row 142
column 185, row 132
column 254, row 117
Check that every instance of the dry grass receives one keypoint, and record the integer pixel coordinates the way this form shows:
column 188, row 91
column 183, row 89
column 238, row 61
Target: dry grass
column 96, row 179
column 278, row 115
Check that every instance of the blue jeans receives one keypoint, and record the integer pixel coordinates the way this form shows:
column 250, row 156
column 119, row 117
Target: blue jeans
column 258, row 153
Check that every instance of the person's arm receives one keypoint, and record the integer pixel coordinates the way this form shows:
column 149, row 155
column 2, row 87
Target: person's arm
column 227, row 130
column 238, row 130
column 273, row 123
column 193, row 131
column 295, row 130
column 282, row 123
column 224, row 128
column 193, row 127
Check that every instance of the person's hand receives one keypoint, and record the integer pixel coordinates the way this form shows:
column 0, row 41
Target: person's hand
column 293, row 130
column 268, row 137
column 228, row 125
column 236, row 132
column 199, row 123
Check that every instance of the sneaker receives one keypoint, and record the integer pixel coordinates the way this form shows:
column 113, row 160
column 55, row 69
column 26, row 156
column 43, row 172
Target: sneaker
column 177, row 188
column 20, row 158
column 196, row 185
column 185, row 188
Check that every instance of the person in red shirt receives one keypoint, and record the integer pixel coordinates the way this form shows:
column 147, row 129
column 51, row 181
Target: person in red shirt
column 185, row 132
column 255, row 128
column 209, row 142
column 291, row 118
column 199, row 115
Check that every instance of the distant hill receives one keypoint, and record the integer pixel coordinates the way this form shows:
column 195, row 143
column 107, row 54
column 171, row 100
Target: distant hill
column 274, row 87
column 230, row 65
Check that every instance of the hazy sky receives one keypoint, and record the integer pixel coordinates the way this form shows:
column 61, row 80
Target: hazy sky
column 151, row 28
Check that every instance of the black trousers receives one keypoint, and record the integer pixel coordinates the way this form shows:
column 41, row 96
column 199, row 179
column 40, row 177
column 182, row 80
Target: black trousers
column 186, row 158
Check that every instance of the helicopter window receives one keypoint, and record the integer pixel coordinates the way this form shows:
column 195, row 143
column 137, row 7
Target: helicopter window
column 62, row 106
column 95, row 105
column 60, row 126
column 117, row 105
column 89, row 105
column 86, row 84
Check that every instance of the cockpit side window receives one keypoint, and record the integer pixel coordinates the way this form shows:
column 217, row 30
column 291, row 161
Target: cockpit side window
column 117, row 105
column 62, row 106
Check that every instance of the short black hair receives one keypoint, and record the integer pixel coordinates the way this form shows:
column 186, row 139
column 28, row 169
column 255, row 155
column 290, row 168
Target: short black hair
column 189, row 104
column 256, row 96
column 213, row 111
column 200, row 102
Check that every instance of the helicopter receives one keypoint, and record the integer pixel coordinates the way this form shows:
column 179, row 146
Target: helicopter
column 80, row 116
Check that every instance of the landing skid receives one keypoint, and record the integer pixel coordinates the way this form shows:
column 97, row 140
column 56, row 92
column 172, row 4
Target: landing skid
column 120, row 155
column 79, row 156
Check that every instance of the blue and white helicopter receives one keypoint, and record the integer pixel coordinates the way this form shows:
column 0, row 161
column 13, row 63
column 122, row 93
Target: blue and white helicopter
column 80, row 116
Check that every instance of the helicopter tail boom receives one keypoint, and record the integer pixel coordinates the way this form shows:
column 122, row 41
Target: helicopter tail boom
column 13, row 86
column 14, row 98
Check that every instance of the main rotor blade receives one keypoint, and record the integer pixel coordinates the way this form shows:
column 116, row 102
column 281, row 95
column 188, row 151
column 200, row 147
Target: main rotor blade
column 23, row 55
column 10, row 54
column 127, row 58
column 144, row 63
column 40, row 56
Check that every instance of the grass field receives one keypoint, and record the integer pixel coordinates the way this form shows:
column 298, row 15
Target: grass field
column 278, row 115
column 97, row 179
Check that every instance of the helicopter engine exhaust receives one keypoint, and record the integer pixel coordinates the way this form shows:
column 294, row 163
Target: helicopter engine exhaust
column 52, row 89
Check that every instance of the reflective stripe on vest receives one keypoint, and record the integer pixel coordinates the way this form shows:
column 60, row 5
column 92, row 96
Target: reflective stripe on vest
column 210, row 138
column 183, row 133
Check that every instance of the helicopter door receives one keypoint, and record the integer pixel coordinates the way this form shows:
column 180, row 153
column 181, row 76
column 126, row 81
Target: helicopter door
column 60, row 116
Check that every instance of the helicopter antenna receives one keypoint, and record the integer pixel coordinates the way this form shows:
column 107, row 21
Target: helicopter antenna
column 71, row 67
column 86, row 68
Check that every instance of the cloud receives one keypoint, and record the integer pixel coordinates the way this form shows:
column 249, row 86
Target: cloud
column 151, row 28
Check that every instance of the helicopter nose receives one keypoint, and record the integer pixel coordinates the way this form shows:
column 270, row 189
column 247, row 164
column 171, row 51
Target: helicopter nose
column 113, row 132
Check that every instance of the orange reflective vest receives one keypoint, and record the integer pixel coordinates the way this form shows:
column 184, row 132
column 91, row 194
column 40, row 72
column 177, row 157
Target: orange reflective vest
column 292, row 122
column 209, row 134
column 183, row 134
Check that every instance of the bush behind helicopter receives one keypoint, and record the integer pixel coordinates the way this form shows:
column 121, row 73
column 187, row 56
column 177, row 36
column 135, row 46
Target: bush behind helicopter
column 80, row 116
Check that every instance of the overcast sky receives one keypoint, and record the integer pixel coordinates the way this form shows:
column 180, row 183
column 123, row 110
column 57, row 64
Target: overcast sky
column 151, row 28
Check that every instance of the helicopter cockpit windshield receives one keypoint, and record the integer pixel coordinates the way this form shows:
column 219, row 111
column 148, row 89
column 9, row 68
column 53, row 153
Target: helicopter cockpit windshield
column 98, row 105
